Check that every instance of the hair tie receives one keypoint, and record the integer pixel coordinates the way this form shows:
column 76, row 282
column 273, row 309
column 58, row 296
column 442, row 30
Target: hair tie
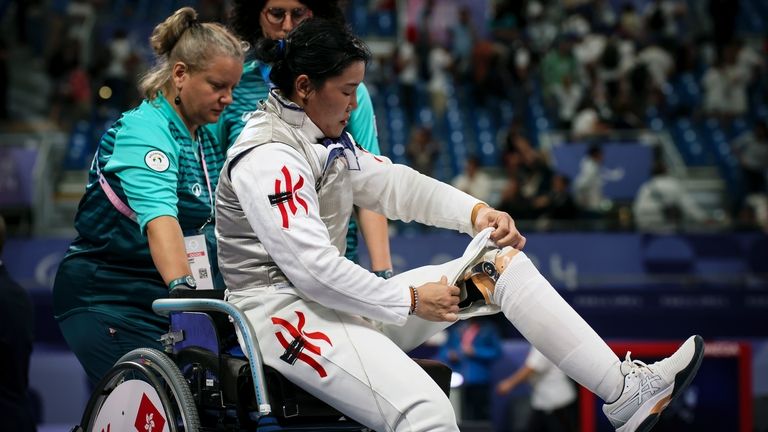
column 281, row 48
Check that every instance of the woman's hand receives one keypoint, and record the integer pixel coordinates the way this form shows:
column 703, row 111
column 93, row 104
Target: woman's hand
column 438, row 301
column 505, row 234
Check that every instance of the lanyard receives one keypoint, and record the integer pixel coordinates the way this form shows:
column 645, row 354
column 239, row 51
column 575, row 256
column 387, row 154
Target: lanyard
column 207, row 181
column 124, row 209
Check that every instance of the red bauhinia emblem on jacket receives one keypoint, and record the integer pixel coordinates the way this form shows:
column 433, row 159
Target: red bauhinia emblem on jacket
column 294, row 350
column 287, row 196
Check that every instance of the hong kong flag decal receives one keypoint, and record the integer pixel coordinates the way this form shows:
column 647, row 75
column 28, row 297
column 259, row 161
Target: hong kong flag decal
column 148, row 418
column 286, row 196
column 294, row 350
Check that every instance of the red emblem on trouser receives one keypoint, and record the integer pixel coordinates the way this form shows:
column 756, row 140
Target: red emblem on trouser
column 148, row 419
column 288, row 196
column 294, row 349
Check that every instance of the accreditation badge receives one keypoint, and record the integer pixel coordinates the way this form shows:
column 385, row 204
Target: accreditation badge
column 199, row 260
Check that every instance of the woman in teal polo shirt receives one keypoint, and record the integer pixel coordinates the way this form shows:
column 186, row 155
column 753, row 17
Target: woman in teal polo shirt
column 254, row 20
column 145, row 222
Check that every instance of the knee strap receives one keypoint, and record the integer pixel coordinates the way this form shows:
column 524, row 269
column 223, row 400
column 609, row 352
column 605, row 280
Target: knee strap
column 483, row 275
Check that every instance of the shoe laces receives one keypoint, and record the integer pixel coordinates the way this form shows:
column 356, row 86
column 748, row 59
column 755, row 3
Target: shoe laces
column 635, row 366
column 647, row 374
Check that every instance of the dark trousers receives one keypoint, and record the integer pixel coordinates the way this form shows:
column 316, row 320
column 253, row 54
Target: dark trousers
column 99, row 340
column 476, row 402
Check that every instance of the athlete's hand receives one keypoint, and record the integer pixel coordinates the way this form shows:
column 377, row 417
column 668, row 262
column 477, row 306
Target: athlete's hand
column 438, row 301
column 506, row 233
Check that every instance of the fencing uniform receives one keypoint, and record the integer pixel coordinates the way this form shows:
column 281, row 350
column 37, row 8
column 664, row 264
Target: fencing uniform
column 253, row 88
column 283, row 207
column 337, row 330
column 106, row 283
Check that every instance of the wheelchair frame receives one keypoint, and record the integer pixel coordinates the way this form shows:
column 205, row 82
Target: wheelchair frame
column 185, row 410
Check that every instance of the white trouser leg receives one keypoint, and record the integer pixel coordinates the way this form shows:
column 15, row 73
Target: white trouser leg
column 348, row 364
column 543, row 317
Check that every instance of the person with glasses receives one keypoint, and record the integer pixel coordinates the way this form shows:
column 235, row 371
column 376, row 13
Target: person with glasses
column 273, row 19
column 286, row 192
column 146, row 221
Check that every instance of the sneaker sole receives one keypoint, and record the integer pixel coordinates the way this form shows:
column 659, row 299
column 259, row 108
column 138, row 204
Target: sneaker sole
column 682, row 380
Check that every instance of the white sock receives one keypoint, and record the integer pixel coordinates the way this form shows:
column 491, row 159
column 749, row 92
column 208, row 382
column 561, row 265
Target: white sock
column 543, row 317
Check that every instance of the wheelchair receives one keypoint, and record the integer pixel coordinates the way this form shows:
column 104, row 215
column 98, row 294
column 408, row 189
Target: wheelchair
column 204, row 382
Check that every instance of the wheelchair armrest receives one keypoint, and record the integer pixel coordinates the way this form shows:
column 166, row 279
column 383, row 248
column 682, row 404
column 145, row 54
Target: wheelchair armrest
column 166, row 306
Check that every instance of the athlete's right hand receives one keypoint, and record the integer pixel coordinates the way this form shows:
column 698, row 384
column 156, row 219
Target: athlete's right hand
column 438, row 301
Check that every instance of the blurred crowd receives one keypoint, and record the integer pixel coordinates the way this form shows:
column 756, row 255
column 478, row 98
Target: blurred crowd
column 594, row 67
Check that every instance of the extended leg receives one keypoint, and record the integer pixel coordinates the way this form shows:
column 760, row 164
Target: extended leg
column 637, row 392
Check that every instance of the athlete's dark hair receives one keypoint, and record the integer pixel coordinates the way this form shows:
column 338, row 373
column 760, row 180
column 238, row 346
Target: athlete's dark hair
column 317, row 48
column 245, row 16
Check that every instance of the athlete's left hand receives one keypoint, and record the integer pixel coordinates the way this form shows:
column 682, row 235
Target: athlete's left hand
column 506, row 233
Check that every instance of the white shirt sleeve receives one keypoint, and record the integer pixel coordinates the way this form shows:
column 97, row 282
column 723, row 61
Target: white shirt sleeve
column 400, row 192
column 275, row 187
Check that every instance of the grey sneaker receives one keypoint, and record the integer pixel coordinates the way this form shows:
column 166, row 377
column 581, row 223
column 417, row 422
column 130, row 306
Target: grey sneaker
column 648, row 389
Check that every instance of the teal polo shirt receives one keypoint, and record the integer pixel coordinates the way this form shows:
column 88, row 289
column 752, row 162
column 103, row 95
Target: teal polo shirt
column 155, row 167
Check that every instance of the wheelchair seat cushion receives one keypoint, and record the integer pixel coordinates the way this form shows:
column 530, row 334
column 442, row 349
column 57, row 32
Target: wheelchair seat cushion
column 180, row 292
column 289, row 400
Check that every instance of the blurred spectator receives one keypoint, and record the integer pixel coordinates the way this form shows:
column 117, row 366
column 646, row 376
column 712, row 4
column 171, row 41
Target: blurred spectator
column 558, row 63
column 662, row 203
column 751, row 149
column 512, row 200
column 661, row 19
column 117, row 76
column 540, row 31
column 424, row 39
column 407, row 65
column 588, row 185
column 474, row 180
column 587, row 122
column 630, row 23
column 725, row 86
column 16, row 338
column 557, row 203
column 507, row 20
column 604, row 18
column 440, row 63
column 463, row 37
column 423, row 150
column 553, row 397
column 535, row 174
column 471, row 349
column 567, row 97
column 659, row 63
column 512, row 139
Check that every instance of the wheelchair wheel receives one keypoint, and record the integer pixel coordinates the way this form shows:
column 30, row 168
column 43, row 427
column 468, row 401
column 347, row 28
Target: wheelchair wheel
column 144, row 391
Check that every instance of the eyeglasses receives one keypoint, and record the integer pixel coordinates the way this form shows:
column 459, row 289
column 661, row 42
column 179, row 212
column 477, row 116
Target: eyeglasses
column 276, row 15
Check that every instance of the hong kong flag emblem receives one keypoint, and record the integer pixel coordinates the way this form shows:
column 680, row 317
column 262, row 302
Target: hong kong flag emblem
column 148, row 418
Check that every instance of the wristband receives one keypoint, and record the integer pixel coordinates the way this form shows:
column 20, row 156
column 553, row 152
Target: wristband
column 187, row 281
column 386, row 274
column 475, row 211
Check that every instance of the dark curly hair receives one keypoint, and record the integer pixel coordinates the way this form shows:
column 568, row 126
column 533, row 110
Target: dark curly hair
column 317, row 48
column 245, row 16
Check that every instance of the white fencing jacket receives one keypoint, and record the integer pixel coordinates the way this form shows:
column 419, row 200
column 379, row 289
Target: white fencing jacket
column 283, row 204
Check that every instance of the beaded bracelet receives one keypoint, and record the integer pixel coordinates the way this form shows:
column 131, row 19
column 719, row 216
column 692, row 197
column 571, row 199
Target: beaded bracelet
column 414, row 300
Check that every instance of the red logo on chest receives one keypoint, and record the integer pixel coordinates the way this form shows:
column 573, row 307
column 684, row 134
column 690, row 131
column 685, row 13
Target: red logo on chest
column 288, row 196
